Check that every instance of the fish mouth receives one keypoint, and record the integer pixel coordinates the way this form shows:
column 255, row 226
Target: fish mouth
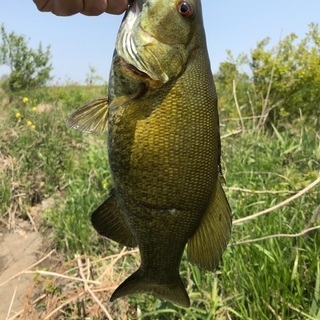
column 130, row 51
column 134, row 69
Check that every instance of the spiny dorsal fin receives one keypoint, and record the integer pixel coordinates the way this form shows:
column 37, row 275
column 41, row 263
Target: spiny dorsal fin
column 92, row 117
column 207, row 245
column 108, row 220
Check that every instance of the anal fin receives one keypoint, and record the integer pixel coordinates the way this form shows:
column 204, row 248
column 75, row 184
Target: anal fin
column 109, row 222
column 206, row 246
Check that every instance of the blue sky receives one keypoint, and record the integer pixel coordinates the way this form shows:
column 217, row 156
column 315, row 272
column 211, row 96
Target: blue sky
column 79, row 41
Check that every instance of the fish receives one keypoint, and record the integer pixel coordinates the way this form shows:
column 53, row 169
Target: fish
column 164, row 149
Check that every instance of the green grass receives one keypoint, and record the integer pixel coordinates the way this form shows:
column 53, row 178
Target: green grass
column 275, row 277
column 278, row 278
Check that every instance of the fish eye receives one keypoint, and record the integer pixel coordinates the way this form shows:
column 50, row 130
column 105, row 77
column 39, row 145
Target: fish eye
column 185, row 9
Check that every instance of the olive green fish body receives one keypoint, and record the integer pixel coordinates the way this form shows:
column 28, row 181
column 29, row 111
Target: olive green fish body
column 163, row 146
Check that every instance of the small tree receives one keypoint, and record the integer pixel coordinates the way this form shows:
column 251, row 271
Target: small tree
column 29, row 68
column 92, row 78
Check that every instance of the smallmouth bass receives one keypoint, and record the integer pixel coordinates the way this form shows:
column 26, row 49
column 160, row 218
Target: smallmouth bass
column 164, row 148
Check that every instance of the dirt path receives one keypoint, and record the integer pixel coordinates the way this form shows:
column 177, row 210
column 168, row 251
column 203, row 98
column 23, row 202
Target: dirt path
column 17, row 252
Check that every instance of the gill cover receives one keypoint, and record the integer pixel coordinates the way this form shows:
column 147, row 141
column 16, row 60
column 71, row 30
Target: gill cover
column 155, row 36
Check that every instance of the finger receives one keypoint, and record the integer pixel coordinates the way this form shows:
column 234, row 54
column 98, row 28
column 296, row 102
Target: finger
column 43, row 5
column 87, row 7
column 94, row 8
column 60, row 7
column 117, row 6
column 66, row 8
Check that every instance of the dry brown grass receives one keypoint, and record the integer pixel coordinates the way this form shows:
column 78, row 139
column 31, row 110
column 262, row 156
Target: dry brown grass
column 75, row 289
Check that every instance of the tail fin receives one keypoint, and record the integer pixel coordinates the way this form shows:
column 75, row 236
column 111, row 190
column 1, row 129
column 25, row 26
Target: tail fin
column 137, row 283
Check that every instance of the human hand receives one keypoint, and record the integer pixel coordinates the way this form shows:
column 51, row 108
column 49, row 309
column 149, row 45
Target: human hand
column 87, row 7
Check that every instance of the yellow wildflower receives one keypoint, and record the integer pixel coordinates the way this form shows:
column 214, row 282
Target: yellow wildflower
column 18, row 115
column 33, row 126
column 25, row 99
column 34, row 108
column 283, row 112
column 29, row 123
column 105, row 184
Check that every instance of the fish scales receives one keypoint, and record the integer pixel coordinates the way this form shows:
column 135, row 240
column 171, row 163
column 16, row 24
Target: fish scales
column 164, row 152
column 163, row 157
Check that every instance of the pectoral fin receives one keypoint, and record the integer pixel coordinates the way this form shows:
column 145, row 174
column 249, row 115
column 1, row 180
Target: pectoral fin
column 108, row 220
column 207, row 245
column 92, row 117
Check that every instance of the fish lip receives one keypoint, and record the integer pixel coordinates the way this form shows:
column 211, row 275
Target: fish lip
column 125, row 45
column 135, row 4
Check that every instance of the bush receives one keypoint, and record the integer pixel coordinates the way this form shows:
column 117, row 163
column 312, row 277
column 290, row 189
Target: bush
column 280, row 84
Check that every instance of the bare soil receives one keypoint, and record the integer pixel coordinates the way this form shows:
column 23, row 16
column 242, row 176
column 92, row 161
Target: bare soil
column 18, row 250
